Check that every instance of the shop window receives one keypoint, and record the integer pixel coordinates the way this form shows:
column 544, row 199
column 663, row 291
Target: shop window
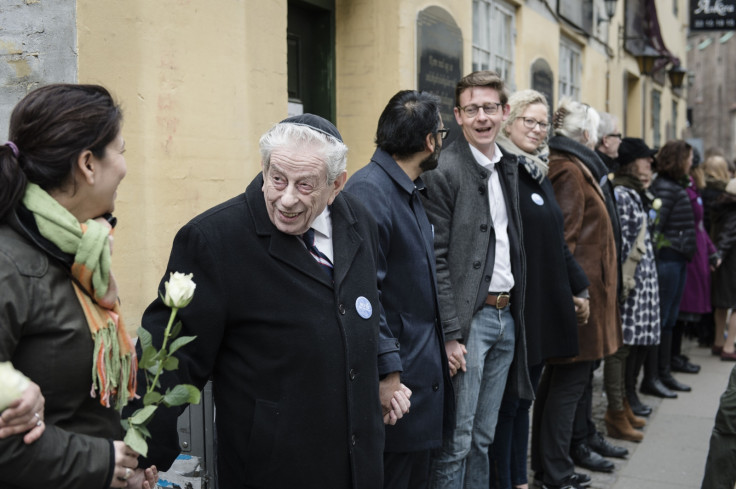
column 493, row 38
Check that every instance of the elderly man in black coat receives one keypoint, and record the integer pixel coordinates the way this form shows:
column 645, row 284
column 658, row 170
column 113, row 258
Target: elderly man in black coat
column 286, row 315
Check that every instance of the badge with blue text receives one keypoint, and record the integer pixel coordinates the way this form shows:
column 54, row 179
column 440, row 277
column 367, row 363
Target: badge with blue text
column 537, row 199
column 363, row 306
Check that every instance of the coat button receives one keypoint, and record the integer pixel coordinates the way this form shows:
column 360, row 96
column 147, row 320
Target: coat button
column 488, row 278
column 482, row 190
column 435, row 387
column 341, row 308
column 353, row 374
column 354, row 439
column 476, row 265
column 484, row 227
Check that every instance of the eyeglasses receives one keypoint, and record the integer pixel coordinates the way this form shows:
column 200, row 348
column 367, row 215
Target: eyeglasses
column 615, row 135
column 490, row 108
column 530, row 123
column 443, row 132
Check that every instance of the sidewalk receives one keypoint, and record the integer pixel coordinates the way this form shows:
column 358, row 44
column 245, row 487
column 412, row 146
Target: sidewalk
column 676, row 438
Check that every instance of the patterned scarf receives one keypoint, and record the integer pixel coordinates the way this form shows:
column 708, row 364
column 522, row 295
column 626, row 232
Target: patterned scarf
column 534, row 163
column 114, row 362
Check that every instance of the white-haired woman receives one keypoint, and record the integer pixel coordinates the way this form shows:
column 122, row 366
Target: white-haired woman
column 553, row 277
column 564, row 437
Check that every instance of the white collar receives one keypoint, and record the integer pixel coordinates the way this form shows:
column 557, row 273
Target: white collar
column 323, row 224
column 483, row 160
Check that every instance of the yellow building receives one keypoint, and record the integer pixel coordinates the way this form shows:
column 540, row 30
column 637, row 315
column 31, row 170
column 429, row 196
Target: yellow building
column 200, row 81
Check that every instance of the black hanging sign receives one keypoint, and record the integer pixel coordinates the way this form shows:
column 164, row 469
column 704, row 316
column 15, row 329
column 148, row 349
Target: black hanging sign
column 712, row 15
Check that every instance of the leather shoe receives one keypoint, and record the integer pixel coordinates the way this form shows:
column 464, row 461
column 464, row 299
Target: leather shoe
column 640, row 409
column 655, row 387
column 579, row 478
column 680, row 363
column 728, row 357
column 673, row 384
column 586, row 458
column 603, row 447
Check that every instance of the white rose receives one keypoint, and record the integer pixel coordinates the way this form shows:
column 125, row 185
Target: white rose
column 656, row 204
column 12, row 384
column 179, row 290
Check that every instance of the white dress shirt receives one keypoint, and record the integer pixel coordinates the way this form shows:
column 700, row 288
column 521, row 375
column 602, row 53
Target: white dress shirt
column 322, row 226
column 502, row 279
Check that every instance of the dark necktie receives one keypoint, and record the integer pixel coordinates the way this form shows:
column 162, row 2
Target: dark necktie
column 308, row 238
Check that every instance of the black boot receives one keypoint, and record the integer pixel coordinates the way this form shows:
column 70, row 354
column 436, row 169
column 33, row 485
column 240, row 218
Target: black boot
column 665, row 352
column 678, row 361
column 633, row 364
column 651, row 384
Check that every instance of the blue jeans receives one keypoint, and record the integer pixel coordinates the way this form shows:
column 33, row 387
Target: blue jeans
column 672, row 274
column 463, row 459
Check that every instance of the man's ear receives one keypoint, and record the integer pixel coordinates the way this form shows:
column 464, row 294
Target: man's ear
column 337, row 186
column 430, row 142
column 506, row 112
column 86, row 166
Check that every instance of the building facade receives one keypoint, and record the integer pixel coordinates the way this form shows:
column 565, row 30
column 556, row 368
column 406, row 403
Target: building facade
column 200, row 81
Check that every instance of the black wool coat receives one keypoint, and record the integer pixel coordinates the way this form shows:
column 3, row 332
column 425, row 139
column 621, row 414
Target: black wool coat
column 553, row 275
column 292, row 360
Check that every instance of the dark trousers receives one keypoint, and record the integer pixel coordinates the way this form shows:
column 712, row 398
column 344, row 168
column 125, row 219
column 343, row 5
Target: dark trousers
column 509, row 449
column 584, row 427
column 406, row 470
column 559, row 392
column 720, row 467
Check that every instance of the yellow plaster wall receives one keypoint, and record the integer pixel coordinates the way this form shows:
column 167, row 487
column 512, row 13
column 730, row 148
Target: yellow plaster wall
column 198, row 89
column 376, row 57
column 536, row 37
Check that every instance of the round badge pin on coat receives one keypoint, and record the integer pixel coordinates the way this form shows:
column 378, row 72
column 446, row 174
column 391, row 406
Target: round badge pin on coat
column 364, row 308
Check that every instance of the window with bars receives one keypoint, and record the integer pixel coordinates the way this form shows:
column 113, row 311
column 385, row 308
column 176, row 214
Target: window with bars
column 493, row 38
column 571, row 68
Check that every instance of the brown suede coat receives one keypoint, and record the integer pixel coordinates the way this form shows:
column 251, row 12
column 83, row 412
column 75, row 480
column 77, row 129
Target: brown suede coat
column 589, row 236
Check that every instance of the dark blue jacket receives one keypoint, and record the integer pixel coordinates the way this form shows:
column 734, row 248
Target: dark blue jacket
column 411, row 339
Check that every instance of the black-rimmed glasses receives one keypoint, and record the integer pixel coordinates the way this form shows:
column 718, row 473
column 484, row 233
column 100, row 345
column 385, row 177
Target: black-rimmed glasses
column 443, row 132
column 490, row 108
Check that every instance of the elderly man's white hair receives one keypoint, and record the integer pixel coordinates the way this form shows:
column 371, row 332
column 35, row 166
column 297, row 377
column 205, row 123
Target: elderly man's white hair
column 606, row 126
column 300, row 137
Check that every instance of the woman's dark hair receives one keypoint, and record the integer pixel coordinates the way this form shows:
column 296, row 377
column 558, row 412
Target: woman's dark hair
column 671, row 159
column 405, row 122
column 51, row 126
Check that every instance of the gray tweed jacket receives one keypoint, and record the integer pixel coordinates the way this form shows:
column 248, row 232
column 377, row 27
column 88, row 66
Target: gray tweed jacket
column 464, row 239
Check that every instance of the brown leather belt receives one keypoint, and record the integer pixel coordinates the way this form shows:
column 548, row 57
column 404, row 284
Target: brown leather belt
column 499, row 300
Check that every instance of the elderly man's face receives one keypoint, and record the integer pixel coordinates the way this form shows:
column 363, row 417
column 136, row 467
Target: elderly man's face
column 296, row 190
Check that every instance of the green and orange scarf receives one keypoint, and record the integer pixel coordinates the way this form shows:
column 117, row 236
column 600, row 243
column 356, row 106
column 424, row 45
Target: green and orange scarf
column 114, row 362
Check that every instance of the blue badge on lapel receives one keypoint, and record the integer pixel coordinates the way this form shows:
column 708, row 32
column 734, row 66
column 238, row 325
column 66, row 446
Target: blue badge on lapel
column 603, row 181
column 537, row 199
column 700, row 201
column 363, row 306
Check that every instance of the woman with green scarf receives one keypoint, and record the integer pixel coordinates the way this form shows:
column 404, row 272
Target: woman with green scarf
column 60, row 324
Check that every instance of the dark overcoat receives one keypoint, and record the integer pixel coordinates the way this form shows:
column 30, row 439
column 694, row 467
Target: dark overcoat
column 553, row 275
column 291, row 355
column 411, row 335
